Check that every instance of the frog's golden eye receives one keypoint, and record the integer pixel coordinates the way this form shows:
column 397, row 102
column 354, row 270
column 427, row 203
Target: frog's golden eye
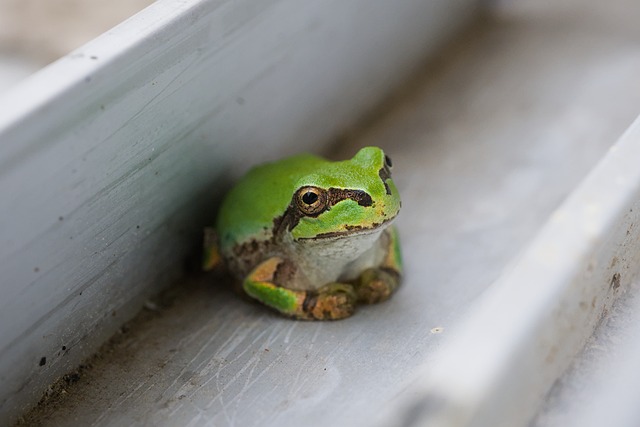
column 311, row 200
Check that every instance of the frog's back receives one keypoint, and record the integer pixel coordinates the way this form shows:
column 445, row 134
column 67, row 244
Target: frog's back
column 262, row 195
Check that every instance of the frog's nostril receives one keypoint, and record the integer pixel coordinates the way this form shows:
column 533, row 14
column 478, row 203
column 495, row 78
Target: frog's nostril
column 384, row 175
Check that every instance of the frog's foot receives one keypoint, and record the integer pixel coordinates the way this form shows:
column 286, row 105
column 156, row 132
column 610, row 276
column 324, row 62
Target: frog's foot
column 332, row 302
column 376, row 285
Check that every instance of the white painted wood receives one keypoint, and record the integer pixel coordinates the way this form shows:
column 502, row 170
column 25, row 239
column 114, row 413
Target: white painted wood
column 485, row 148
column 603, row 383
column 111, row 159
column 523, row 333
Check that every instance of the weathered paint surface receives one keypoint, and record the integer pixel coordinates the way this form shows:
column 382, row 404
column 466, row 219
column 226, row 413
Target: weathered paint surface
column 112, row 158
column 484, row 151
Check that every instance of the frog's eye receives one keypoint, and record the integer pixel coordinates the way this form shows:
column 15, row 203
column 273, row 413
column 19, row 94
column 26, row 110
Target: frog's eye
column 387, row 161
column 311, row 200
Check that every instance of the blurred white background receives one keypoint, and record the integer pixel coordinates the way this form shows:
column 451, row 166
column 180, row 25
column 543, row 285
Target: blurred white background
column 34, row 33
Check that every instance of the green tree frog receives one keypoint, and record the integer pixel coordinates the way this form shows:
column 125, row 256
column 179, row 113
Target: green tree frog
column 312, row 238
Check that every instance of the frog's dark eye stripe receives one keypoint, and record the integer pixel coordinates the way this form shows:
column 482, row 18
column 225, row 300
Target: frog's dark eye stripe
column 311, row 200
column 339, row 194
column 387, row 161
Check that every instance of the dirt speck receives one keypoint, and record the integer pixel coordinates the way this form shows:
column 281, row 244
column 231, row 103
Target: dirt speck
column 615, row 282
column 551, row 356
column 71, row 378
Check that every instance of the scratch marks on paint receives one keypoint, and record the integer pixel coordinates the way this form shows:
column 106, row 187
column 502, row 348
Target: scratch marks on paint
column 224, row 383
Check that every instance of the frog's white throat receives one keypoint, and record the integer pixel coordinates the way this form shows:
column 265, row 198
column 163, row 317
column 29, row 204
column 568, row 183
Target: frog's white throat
column 331, row 258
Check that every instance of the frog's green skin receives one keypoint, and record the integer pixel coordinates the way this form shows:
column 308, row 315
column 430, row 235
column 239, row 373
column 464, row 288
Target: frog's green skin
column 310, row 237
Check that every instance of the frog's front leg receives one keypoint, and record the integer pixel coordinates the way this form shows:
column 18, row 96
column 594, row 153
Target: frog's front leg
column 378, row 284
column 333, row 301
column 211, row 258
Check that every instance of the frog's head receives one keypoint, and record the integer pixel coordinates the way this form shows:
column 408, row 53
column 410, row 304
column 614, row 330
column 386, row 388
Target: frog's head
column 345, row 198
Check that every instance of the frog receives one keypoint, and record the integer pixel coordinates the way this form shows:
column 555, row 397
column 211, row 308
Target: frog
column 311, row 238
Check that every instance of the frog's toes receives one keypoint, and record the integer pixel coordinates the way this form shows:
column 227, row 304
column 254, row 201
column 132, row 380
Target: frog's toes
column 376, row 285
column 332, row 302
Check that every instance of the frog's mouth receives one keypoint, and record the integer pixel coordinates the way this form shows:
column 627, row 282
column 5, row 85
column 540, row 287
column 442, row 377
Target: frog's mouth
column 352, row 230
